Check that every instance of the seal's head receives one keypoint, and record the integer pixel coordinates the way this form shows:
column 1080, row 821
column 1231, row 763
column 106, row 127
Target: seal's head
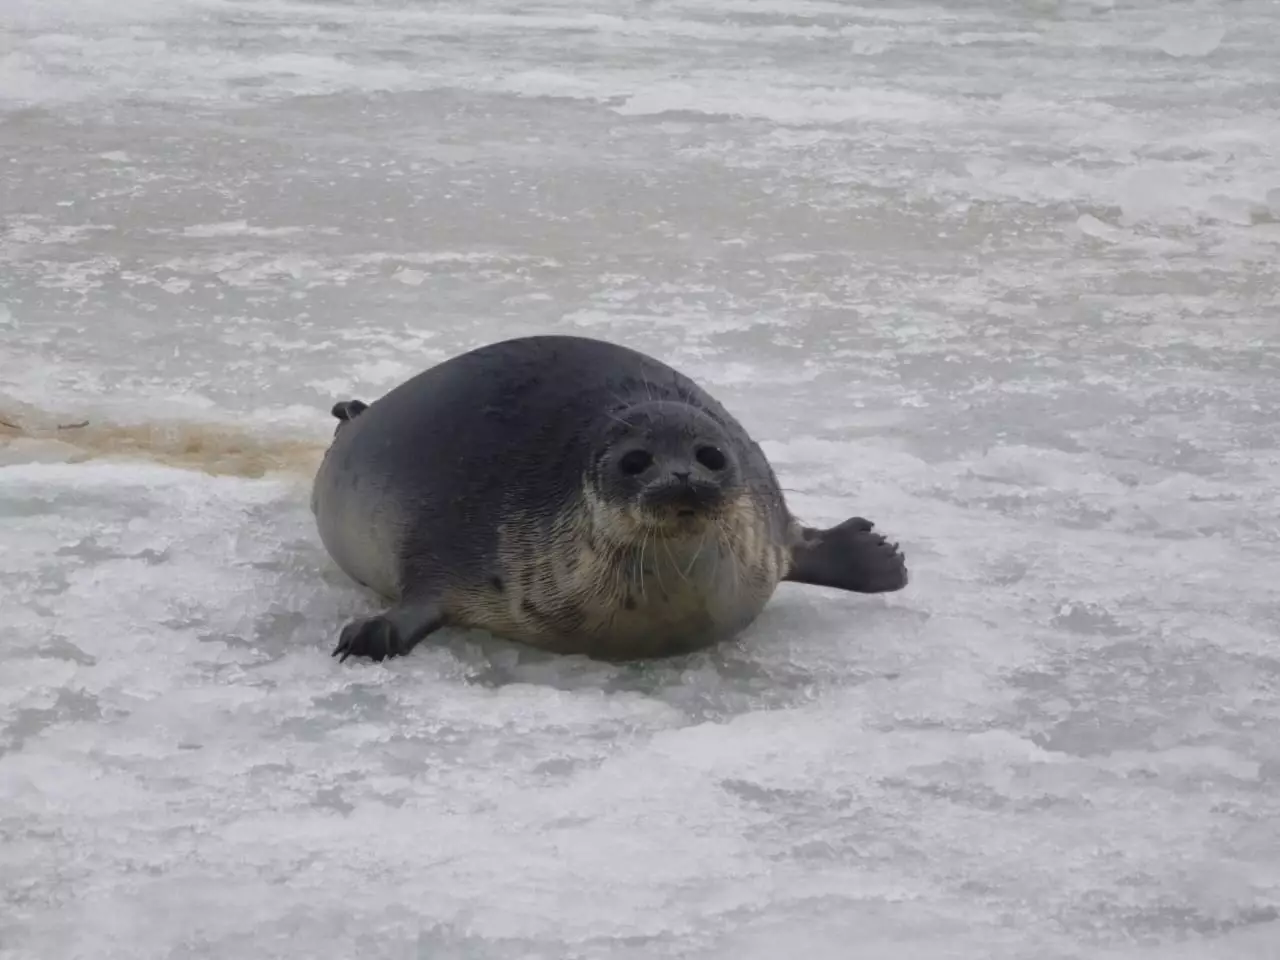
column 663, row 467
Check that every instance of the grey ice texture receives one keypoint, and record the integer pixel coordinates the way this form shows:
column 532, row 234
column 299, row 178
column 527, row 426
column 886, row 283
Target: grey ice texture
column 999, row 275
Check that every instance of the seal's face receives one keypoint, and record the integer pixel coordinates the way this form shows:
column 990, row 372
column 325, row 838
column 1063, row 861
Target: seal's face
column 666, row 467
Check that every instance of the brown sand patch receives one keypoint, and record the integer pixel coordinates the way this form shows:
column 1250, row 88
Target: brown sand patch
column 214, row 448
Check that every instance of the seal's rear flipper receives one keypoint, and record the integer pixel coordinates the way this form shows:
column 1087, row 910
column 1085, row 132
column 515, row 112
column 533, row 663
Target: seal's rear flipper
column 349, row 409
column 392, row 634
column 848, row 557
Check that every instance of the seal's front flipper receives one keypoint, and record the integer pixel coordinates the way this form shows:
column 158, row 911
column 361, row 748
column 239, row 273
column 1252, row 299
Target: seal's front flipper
column 349, row 409
column 848, row 557
column 391, row 634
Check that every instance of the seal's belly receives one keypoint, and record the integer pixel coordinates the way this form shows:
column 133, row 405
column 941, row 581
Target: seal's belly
column 625, row 607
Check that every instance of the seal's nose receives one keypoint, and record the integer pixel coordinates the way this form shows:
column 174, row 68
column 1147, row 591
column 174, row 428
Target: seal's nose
column 681, row 475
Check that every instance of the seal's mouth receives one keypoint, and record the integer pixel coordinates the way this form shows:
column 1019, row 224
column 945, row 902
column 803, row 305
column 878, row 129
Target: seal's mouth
column 682, row 500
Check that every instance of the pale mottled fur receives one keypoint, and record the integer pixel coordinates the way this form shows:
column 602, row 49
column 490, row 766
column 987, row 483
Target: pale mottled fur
column 599, row 579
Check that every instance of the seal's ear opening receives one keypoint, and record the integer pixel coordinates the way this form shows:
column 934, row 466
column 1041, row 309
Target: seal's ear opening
column 349, row 409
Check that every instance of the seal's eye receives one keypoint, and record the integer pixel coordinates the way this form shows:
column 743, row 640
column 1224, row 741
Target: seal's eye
column 635, row 462
column 711, row 457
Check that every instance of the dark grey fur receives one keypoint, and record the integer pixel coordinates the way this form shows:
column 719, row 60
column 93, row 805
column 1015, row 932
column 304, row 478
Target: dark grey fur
column 462, row 497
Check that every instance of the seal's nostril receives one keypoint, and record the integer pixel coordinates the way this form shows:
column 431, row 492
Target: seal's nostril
column 681, row 475
column 712, row 458
column 635, row 462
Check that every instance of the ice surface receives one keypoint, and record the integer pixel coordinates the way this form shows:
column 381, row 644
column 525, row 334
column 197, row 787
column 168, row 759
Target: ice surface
column 1000, row 276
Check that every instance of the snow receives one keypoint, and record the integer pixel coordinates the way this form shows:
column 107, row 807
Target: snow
column 999, row 276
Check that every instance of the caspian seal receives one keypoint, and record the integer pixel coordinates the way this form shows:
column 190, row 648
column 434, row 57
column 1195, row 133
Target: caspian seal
column 572, row 494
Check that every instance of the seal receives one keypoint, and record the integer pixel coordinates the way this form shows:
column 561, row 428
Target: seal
column 571, row 494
